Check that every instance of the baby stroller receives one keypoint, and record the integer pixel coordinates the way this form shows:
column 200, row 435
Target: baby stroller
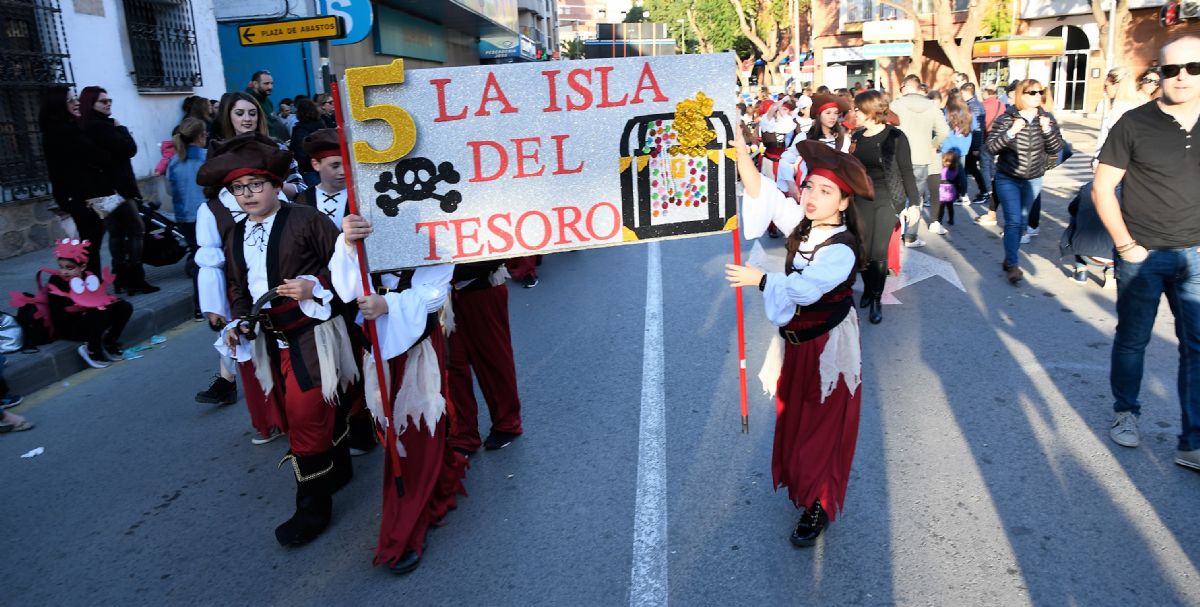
column 165, row 244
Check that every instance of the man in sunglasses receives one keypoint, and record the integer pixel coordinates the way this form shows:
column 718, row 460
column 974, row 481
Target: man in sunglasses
column 1153, row 152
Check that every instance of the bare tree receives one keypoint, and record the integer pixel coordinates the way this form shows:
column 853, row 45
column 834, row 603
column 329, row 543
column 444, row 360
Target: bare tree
column 957, row 43
column 766, row 31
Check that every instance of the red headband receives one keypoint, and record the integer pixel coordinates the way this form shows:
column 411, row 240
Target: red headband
column 234, row 174
column 830, row 175
column 318, row 155
column 826, row 106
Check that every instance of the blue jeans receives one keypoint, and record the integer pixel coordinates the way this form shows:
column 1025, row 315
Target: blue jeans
column 1175, row 272
column 1016, row 198
column 987, row 166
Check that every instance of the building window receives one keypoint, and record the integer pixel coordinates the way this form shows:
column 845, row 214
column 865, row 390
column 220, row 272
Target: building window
column 162, row 39
column 33, row 56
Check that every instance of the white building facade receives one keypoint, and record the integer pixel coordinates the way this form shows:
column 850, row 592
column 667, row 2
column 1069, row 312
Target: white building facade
column 148, row 54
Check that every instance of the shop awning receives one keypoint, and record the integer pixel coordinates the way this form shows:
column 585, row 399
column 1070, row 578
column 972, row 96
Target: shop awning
column 986, row 51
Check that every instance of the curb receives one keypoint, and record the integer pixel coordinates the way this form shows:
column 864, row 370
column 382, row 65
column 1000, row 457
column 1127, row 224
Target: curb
column 27, row 373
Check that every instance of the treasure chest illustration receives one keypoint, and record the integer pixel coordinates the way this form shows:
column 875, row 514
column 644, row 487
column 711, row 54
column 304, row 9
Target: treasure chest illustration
column 677, row 176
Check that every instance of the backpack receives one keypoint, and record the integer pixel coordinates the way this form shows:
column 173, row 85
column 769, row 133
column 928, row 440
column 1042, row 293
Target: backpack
column 33, row 314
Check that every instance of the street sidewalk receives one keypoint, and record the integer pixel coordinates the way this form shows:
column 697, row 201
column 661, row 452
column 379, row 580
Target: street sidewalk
column 51, row 363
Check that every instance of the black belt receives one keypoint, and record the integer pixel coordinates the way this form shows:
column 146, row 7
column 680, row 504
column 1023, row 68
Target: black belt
column 841, row 309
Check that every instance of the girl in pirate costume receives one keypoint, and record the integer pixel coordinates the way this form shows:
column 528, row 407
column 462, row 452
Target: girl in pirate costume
column 422, row 474
column 286, row 320
column 827, row 128
column 817, row 393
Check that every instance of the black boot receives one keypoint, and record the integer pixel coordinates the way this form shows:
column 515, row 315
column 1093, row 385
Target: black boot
column 812, row 522
column 343, row 470
column 314, row 499
column 138, row 280
column 875, row 314
column 874, row 277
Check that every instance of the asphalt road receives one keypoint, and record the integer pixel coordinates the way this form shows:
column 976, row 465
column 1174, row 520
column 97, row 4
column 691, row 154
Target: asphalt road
column 983, row 476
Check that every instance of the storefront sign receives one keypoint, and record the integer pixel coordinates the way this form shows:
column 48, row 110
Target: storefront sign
column 890, row 49
column 1018, row 47
column 844, row 54
column 500, row 45
column 881, row 31
column 405, row 35
column 486, row 162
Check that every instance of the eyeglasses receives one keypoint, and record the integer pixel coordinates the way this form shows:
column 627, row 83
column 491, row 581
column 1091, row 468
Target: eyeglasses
column 1153, row 81
column 105, row 101
column 254, row 187
column 72, row 99
column 1171, row 71
column 1041, row 93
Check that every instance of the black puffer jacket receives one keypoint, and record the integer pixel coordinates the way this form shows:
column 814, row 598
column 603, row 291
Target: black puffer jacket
column 117, row 149
column 75, row 164
column 1027, row 155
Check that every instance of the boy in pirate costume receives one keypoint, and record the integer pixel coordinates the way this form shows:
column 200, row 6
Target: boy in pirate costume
column 330, row 198
column 286, row 320
column 422, row 474
column 215, row 221
column 818, row 388
column 481, row 341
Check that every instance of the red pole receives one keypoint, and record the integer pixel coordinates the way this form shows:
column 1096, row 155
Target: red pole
column 385, row 395
column 741, row 329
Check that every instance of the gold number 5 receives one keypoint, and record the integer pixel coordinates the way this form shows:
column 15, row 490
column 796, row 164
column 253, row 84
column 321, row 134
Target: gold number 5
column 404, row 130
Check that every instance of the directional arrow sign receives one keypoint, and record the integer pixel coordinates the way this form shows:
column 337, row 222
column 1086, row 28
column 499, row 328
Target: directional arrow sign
column 292, row 30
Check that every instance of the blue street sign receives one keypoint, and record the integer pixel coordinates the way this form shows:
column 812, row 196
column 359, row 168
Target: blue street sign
column 357, row 14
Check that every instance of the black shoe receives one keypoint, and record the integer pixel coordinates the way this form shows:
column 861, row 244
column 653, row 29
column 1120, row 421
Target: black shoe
column 812, row 522
column 220, row 392
column 113, row 353
column 530, row 282
column 499, row 440
column 311, row 518
column 865, row 300
column 875, row 314
column 408, row 563
column 774, row 232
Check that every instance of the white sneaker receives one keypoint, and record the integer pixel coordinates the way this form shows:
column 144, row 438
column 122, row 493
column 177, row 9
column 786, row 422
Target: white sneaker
column 87, row 358
column 1024, row 238
column 1031, row 232
column 1124, row 429
column 262, row 440
column 964, row 201
column 915, row 244
column 936, row 228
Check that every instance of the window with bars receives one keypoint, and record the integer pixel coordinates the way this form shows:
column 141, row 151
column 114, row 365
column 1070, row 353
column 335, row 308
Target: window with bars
column 33, row 56
column 162, row 39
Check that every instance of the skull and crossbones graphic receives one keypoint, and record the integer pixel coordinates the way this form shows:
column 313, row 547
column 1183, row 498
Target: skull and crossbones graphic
column 417, row 179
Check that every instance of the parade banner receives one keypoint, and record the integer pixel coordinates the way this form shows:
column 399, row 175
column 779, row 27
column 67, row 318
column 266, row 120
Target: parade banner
column 454, row 165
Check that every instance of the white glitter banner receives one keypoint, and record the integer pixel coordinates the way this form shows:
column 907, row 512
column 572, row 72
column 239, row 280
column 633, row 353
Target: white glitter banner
column 494, row 161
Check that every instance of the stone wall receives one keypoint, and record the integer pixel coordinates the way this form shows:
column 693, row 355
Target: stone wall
column 32, row 225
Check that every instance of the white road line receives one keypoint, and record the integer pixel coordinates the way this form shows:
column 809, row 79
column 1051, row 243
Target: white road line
column 648, row 579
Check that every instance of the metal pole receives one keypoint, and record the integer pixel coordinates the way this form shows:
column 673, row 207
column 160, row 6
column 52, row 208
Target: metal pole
column 1112, row 36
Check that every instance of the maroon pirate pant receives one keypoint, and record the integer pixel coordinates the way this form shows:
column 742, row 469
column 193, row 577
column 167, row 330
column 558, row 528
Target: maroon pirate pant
column 482, row 342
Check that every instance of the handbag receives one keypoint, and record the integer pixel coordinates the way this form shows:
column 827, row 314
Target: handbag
column 105, row 205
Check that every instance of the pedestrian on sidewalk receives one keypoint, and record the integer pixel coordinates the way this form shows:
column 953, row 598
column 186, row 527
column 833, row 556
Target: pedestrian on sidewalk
column 75, row 167
column 1120, row 96
column 818, row 392
column 925, row 127
column 423, row 475
column 958, row 141
column 993, row 106
column 240, row 113
column 1153, row 153
column 126, row 233
column 190, row 141
column 1024, row 139
column 974, row 159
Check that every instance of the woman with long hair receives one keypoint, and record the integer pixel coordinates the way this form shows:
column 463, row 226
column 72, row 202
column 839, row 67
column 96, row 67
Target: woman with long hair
column 75, row 165
column 884, row 152
column 827, row 128
column 960, row 120
column 240, row 113
column 1120, row 96
column 1024, row 139
column 126, row 233
column 818, row 393
column 190, row 140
